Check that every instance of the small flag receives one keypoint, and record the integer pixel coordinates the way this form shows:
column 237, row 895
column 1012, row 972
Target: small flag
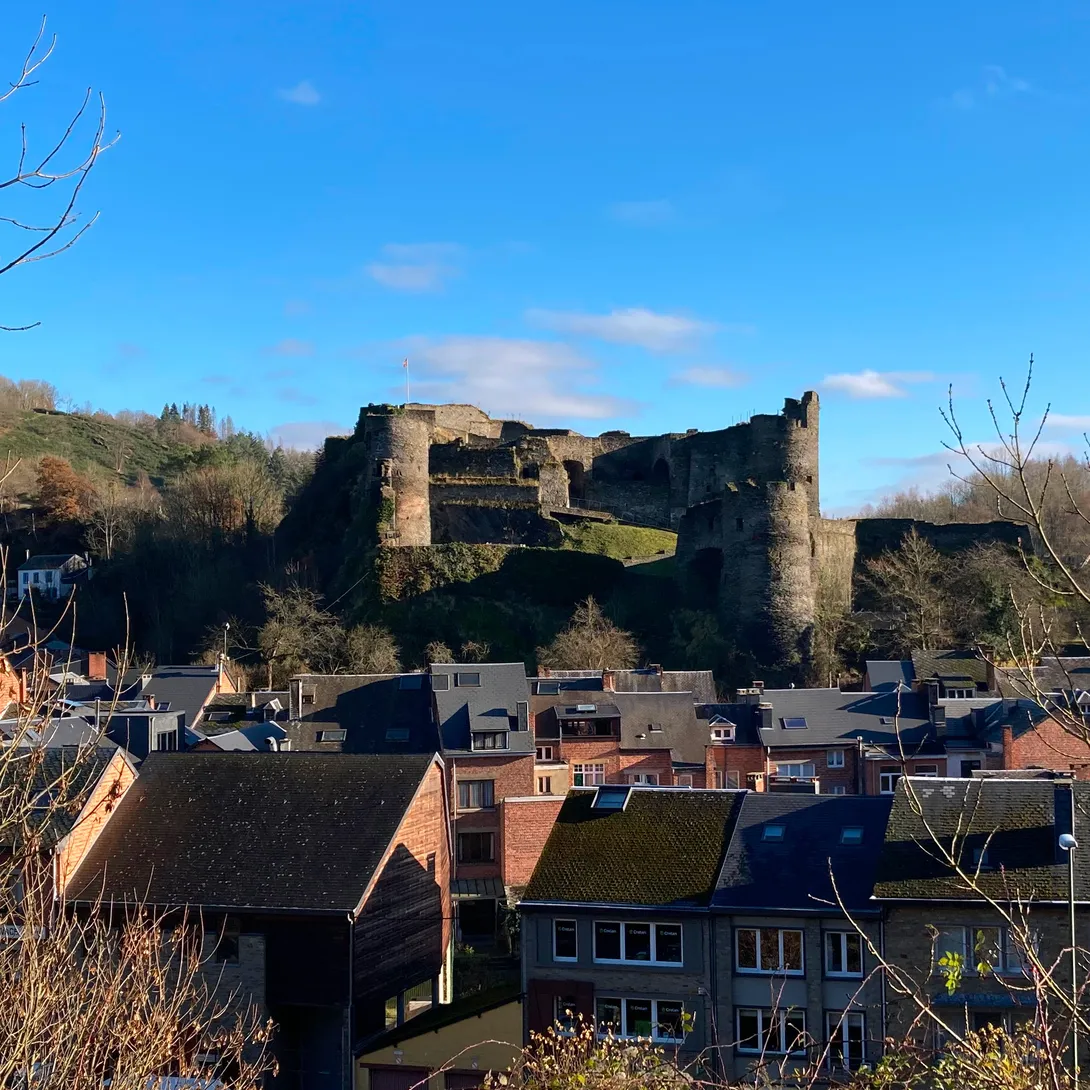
column 405, row 363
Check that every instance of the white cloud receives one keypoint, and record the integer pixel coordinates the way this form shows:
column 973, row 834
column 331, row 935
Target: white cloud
column 630, row 325
column 291, row 346
column 643, row 213
column 1065, row 422
column 508, row 377
column 875, row 384
column 994, row 83
column 415, row 267
column 304, row 93
column 306, row 434
column 717, row 377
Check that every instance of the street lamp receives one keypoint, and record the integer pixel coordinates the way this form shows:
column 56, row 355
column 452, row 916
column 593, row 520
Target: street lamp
column 1068, row 843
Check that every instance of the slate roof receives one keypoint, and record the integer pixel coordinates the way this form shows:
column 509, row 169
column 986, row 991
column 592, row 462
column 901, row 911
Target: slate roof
column 248, row 738
column 887, row 675
column 1019, row 821
column 929, row 664
column 647, row 679
column 793, row 874
column 664, row 849
column 185, row 688
column 662, row 721
column 490, row 706
column 833, row 717
column 374, row 710
column 48, row 560
column 1051, row 675
column 269, row 831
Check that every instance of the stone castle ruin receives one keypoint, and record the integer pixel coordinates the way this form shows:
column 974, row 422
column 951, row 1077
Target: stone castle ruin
column 744, row 501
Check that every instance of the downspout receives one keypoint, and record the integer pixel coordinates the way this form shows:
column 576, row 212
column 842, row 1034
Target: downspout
column 713, row 959
column 348, row 1075
column 882, row 951
column 860, row 767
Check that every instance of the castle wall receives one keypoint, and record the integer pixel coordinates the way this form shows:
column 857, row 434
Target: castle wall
column 398, row 442
column 460, row 460
column 834, row 561
column 511, row 493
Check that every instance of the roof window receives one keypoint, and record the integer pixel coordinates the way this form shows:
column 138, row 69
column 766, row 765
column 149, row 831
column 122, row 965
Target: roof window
column 793, row 722
column 851, row 834
column 774, row 833
column 440, row 683
column 611, row 797
column 397, row 734
column 548, row 688
column 655, row 728
column 410, row 681
column 468, row 679
column 330, row 735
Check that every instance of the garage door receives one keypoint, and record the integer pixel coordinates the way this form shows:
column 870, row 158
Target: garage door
column 398, row 1078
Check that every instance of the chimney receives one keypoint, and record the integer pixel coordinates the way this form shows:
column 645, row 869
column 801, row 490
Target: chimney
column 938, row 720
column 759, row 686
column 764, row 715
column 96, row 665
column 542, row 671
column 932, row 691
column 1008, row 746
column 609, row 681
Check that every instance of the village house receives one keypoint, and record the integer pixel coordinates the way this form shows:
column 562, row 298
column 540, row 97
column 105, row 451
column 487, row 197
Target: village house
column 52, row 575
column 322, row 883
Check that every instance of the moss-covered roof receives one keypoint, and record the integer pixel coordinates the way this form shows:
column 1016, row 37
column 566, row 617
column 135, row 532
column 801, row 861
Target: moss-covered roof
column 1018, row 822
column 664, row 848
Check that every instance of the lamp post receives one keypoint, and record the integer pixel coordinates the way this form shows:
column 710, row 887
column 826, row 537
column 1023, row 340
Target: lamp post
column 1068, row 843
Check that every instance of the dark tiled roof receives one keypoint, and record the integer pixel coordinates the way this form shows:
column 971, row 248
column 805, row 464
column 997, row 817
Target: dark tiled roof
column 662, row 721
column 48, row 560
column 886, row 675
column 929, row 664
column 664, row 848
column 185, row 688
column 833, row 717
column 376, row 711
column 793, row 874
column 490, row 706
column 1018, row 820
column 1051, row 675
column 251, row 830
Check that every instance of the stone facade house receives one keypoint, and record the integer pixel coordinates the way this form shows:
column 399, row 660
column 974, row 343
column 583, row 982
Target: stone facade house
column 322, row 882
column 1009, row 828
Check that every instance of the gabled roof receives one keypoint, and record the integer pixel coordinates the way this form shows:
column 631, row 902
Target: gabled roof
column 1018, row 821
column 271, row 831
column 833, row 717
column 793, row 873
column 1051, row 675
column 490, row 706
column 184, row 688
column 48, row 560
column 379, row 713
column 887, row 675
column 941, row 664
column 662, row 721
column 663, row 849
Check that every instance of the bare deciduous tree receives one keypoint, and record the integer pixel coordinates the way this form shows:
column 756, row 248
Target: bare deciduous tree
column 591, row 641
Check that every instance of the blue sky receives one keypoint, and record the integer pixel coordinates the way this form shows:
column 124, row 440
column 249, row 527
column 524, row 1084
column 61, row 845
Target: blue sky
column 599, row 214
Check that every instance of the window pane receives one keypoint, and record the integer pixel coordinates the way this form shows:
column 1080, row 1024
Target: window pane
column 834, row 952
column 565, row 1012
column 668, row 942
column 565, row 939
column 853, row 1027
column 951, row 940
column 986, row 952
column 747, row 948
column 770, row 1024
column 854, row 958
column 770, row 949
column 792, row 950
column 607, row 941
column 638, row 1018
column 749, row 1030
column 637, row 942
column 608, row 1015
column 669, row 1023
column 834, row 1034
column 794, row 1031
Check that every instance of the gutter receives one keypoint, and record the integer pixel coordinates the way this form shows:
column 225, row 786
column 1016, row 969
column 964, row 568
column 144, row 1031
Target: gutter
column 613, row 906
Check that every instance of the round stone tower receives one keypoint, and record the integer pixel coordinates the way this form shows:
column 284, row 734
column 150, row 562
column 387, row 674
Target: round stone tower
column 398, row 443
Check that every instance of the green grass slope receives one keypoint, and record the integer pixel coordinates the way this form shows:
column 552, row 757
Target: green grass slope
column 618, row 540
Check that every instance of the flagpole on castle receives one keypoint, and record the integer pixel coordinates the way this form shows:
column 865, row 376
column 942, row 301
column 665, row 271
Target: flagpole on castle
column 405, row 364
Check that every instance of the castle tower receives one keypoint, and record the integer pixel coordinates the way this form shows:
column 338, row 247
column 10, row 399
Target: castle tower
column 398, row 441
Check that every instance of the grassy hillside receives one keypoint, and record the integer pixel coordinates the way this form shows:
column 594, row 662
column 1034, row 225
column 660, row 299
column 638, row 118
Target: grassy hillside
column 90, row 443
column 617, row 540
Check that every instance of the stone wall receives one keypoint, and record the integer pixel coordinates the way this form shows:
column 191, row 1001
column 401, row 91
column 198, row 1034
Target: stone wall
column 461, row 460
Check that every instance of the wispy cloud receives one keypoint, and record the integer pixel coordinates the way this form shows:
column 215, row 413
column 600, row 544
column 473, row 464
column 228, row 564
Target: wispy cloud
column 721, row 378
column 643, row 213
column 1065, row 422
column 994, row 83
column 415, row 267
column 305, row 434
column 875, row 384
column 304, row 93
column 508, row 377
column 631, row 325
column 291, row 346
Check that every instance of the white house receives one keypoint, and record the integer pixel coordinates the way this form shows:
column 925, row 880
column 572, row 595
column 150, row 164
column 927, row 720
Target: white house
column 52, row 575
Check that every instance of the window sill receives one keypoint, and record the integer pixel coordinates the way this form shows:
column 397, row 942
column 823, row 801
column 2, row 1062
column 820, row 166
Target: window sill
column 771, row 972
column 629, row 962
column 843, row 976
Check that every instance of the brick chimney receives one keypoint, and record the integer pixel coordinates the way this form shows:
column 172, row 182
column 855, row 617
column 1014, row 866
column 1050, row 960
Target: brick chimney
column 609, row 681
column 96, row 665
column 1008, row 746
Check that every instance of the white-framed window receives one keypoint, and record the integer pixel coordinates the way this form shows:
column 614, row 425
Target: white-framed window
column 565, row 940
column 769, row 1031
column 657, row 1019
column 723, row 734
column 834, row 758
column 651, row 778
column 796, row 770
column 838, row 789
column 685, row 779
column 588, row 775
column 544, row 785
column 768, row 950
column 960, row 694
column 887, row 779
column 544, row 753
column 843, row 954
column 166, row 741
column 723, row 780
column 647, row 943
column 564, row 1014
column 991, row 949
column 845, row 1032
column 488, row 739
column 476, row 794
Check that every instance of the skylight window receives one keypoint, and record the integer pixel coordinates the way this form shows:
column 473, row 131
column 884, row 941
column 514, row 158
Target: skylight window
column 548, row 688
column 851, row 834
column 793, row 722
column 467, row 679
column 440, row 683
column 611, row 797
column 397, row 734
column 774, row 833
column 330, row 735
